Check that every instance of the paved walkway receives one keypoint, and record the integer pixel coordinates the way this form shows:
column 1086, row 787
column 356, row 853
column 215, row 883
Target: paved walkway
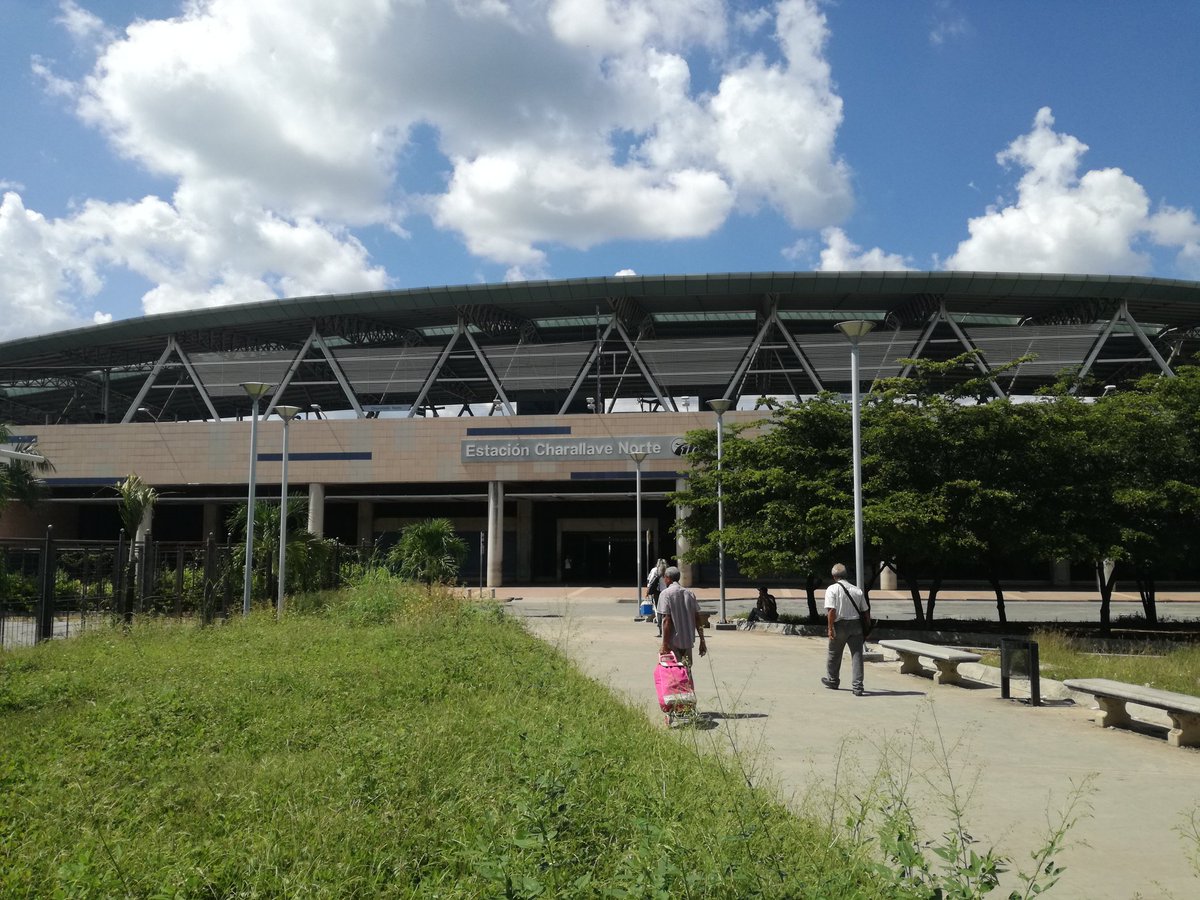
column 762, row 691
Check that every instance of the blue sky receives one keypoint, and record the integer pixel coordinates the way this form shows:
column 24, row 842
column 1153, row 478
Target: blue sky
column 163, row 155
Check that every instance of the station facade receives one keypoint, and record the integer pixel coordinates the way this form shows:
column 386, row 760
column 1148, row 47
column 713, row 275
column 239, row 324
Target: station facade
column 514, row 410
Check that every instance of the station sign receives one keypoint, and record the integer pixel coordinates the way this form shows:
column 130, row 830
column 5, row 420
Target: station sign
column 578, row 449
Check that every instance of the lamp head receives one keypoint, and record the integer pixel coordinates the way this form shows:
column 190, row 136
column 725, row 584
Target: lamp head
column 720, row 406
column 855, row 329
column 638, row 456
column 287, row 413
column 255, row 390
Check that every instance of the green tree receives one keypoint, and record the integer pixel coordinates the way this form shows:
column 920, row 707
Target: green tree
column 429, row 551
column 20, row 479
column 136, row 499
column 786, row 488
column 307, row 554
column 1150, row 432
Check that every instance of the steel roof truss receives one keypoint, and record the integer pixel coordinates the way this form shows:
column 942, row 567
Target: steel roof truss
column 437, row 368
column 800, row 355
column 667, row 402
column 338, row 374
column 148, row 383
column 1141, row 336
column 586, row 368
column 1095, row 351
column 926, row 334
column 491, row 373
column 187, row 364
column 743, row 367
column 297, row 361
column 976, row 357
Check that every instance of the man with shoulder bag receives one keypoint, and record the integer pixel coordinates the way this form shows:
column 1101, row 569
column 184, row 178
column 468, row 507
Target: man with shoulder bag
column 849, row 620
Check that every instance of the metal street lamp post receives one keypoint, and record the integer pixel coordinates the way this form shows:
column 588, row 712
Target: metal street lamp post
column 287, row 413
column 638, row 458
column 256, row 390
column 854, row 331
column 720, row 407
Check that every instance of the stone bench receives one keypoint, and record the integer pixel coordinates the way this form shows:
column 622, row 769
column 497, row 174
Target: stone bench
column 1111, row 697
column 945, row 658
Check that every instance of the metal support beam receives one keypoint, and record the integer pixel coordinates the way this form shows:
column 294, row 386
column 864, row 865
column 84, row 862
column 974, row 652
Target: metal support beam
column 491, row 374
column 336, row 367
column 586, row 369
column 1096, row 348
column 980, row 363
column 436, row 370
column 187, row 364
column 1141, row 336
column 739, row 374
column 800, row 355
column 667, row 402
column 148, row 383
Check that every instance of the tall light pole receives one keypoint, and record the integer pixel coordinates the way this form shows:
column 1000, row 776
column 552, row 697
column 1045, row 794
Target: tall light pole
column 638, row 458
column 287, row 413
column 721, row 406
column 854, row 331
column 256, row 390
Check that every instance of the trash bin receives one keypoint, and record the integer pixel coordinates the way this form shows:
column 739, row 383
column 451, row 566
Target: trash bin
column 1019, row 659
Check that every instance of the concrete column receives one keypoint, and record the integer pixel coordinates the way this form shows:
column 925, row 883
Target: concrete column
column 212, row 521
column 524, row 541
column 145, row 525
column 1060, row 573
column 887, row 580
column 687, row 572
column 366, row 522
column 316, row 509
column 495, row 539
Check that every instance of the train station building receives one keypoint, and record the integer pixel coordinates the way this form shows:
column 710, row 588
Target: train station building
column 518, row 410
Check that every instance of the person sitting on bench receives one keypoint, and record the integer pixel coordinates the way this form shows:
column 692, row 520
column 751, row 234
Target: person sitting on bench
column 765, row 609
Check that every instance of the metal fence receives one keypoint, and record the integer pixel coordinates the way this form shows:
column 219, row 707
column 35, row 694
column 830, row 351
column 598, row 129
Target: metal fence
column 52, row 588
column 56, row 588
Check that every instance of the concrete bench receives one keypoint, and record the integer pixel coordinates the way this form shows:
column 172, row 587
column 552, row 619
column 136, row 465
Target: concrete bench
column 945, row 658
column 1111, row 697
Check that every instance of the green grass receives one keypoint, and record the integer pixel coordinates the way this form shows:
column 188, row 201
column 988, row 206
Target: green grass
column 1171, row 669
column 385, row 742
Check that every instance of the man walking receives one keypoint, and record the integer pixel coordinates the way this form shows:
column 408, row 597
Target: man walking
column 843, row 608
column 680, row 619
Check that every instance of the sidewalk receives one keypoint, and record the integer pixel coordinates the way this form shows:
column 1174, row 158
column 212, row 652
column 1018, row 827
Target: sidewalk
column 765, row 692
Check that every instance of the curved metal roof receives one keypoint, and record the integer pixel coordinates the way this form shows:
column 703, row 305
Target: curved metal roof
column 55, row 376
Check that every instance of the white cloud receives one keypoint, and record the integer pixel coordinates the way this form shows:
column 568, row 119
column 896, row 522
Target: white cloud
column 625, row 273
column 841, row 254
column 35, row 273
column 282, row 126
column 1063, row 222
column 948, row 23
column 85, row 27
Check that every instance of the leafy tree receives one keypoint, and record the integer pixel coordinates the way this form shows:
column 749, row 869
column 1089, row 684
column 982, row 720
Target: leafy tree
column 786, row 480
column 429, row 551
column 1150, row 432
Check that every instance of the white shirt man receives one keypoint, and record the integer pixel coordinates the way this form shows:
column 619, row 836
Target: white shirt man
column 843, row 605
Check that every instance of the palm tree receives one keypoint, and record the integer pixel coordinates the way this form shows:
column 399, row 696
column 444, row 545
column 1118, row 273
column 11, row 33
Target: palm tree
column 429, row 551
column 137, row 498
column 306, row 553
column 19, row 478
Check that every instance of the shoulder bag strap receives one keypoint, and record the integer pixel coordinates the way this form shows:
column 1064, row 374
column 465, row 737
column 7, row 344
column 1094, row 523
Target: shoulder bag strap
column 850, row 597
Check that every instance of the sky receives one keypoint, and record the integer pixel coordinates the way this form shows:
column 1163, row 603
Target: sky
column 164, row 155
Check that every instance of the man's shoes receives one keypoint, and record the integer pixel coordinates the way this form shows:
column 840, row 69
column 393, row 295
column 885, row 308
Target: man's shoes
column 832, row 685
column 858, row 692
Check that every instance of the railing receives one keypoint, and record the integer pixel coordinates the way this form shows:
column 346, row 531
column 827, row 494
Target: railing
column 52, row 588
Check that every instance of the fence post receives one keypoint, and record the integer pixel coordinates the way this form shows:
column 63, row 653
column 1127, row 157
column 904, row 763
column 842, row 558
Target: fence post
column 45, row 607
